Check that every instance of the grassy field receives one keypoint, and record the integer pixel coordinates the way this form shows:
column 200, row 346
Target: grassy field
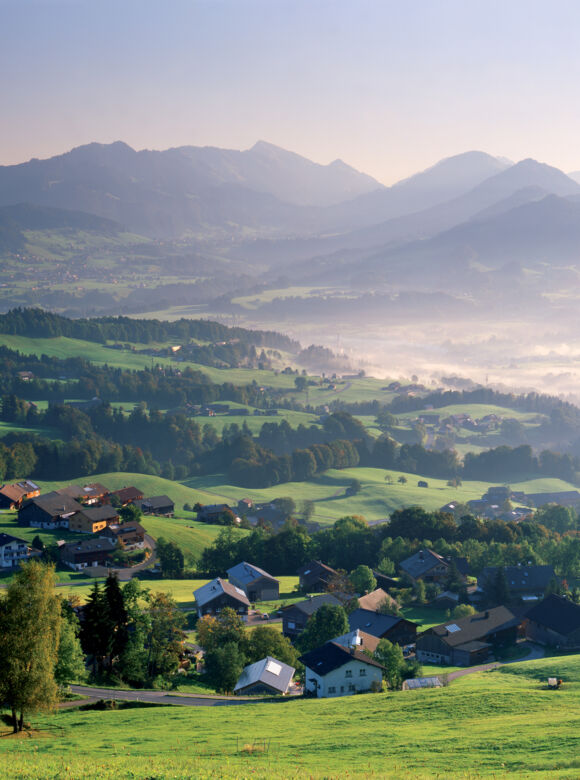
column 486, row 725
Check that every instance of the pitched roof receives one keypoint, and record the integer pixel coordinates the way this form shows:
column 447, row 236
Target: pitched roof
column 475, row 627
column 422, row 562
column 519, row 578
column 158, row 502
column 85, row 491
column 358, row 639
column 371, row 622
column 309, row 606
column 556, row 613
column 332, row 656
column 97, row 513
column 217, row 587
column 55, row 504
column 122, row 529
column 373, row 600
column 316, row 569
column 248, row 573
column 269, row 671
column 90, row 545
column 18, row 489
column 564, row 498
column 7, row 539
column 127, row 494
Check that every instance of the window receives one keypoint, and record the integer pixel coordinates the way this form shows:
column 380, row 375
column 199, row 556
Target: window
column 291, row 624
column 348, row 673
column 332, row 689
column 362, row 672
column 351, row 687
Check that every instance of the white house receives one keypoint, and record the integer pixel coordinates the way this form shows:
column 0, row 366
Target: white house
column 335, row 670
column 12, row 551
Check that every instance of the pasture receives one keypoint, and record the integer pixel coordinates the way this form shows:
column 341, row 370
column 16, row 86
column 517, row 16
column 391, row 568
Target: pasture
column 485, row 725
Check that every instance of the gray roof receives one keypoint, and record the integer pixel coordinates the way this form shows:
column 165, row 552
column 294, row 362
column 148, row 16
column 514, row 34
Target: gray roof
column 248, row 573
column 556, row 613
column 96, row 513
column 55, row 504
column 7, row 539
column 332, row 656
column 372, row 622
column 89, row 545
column 564, row 498
column 422, row 562
column 217, row 587
column 269, row 671
column 157, row 501
column 310, row 606
column 519, row 578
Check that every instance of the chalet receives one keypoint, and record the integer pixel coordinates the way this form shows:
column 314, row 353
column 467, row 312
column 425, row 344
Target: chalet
column 211, row 512
column 12, row 496
column 256, row 583
column 157, row 505
column 88, row 552
column 335, row 670
column 526, row 582
column 93, row 519
column 12, row 551
column 555, row 622
column 217, row 594
column 467, row 641
column 268, row 676
column 315, row 576
column 425, row 565
column 50, row 510
column 296, row 616
column 131, row 536
column 397, row 630
column 372, row 601
column 126, row 495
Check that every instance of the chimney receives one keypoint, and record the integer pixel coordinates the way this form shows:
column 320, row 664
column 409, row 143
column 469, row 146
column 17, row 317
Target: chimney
column 421, row 555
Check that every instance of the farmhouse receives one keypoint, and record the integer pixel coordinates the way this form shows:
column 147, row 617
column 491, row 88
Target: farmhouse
column 563, row 498
column 266, row 677
column 335, row 670
column 211, row 512
column 526, row 582
column 296, row 616
column 157, row 505
column 50, row 510
column 396, row 629
column 468, row 641
column 12, row 496
column 314, row 576
column 93, row 519
column 426, row 565
column 555, row 621
column 372, row 601
column 130, row 535
column 88, row 494
column 12, row 551
column 217, row 594
column 88, row 552
column 127, row 495
column 358, row 639
column 256, row 583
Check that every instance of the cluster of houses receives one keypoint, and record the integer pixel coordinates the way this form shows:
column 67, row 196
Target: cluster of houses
column 493, row 504
column 255, row 513
column 345, row 665
column 91, row 510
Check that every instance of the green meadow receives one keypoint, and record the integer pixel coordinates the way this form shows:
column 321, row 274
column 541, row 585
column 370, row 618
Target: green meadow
column 485, row 725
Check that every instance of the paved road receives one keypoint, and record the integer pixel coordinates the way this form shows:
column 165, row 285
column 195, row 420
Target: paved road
column 159, row 697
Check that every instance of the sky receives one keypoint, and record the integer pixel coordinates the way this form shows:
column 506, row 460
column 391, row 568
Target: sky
column 389, row 87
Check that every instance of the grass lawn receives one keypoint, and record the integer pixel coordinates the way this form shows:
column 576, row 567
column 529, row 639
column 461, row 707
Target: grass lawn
column 485, row 725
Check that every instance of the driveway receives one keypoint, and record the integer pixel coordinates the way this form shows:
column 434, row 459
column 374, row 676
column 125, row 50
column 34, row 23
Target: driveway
column 159, row 697
column 534, row 653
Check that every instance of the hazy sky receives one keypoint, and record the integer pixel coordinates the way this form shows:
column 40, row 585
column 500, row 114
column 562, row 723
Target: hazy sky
column 389, row 87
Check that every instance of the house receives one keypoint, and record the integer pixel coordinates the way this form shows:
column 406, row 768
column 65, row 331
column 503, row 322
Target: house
column 296, row 616
column 50, row 510
column 425, row 565
column 563, row 498
column 256, row 583
column 127, row 495
column 157, row 505
column 266, row 676
column 555, row 622
column 12, row 551
column 211, row 512
column 358, row 639
column 397, row 630
column 131, row 536
column 372, row 601
column 217, row 594
column 93, row 519
column 245, row 506
column 12, row 496
column 384, row 581
column 88, row 552
column 315, row 576
column 526, row 582
column 335, row 670
column 467, row 641
column 88, row 494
